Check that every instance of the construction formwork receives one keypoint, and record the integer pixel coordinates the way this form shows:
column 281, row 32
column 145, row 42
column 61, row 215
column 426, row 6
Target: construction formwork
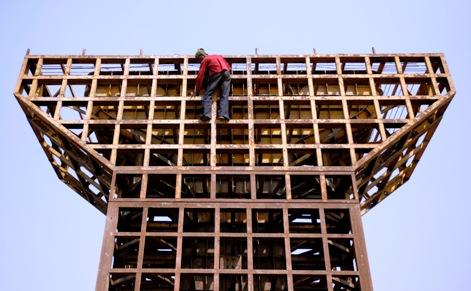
column 271, row 200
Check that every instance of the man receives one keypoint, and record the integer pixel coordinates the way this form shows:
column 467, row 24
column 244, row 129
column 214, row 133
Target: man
column 215, row 70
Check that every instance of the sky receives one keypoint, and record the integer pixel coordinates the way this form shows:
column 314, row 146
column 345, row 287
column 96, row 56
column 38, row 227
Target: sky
column 417, row 239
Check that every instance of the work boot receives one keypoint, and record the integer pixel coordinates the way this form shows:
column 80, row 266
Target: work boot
column 223, row 118
column 204, row 118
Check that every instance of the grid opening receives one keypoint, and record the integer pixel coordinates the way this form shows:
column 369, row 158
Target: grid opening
column 121, row 281
column 193, row 109
column 357, row 87
column 297, row 109
column 163, row 157
column 232, row 133
column 419, row 86
column 361, row 109
column 167, row 110
column 195, row 186
column 198, row 220
column 266, row 109
column 125, row 252
column 232, row 157
column 129, row 219
column 25, row 88
column 307, row 254
column 392, row 128
column 161, row 186
column 264, row 66
column 330, row 109
column 48, row 88
column 324, row 66
column 393, row 109
column 302, row 157
column 165, row 133
column 105, row 110
column 326, row 87
column 353, row 66
column 233, row 254
column 268, row 157
column 196, row 157
column 267, row 221
column 160, row 252
column 336, row 157
column 265, row 87
column 342, row 254
column 169, row 87
column 366, row 133
column 78, row 88
column 162, row 220
column 295, row 87
column 139, row 67
column 139, row 88
column 233, row 186
column 419, row 106
column 333, row 133
column 270, row 283
column 132, row 134
column 76, row 129
column 347, row 283
column 135, row 110
column 238, row 66
column 53, row 67
column 305, row 187
column 100, row 133
column 385, row 66
column 269, row 253
column 111, row 67
column 170, row 66
column 157, row 281
column 309, row 282
column 81, row 67
column 238, row 109
column 73, row 111
column 31, row 67
column 299, row 133
column 197, row 133
column 304, row 221
column 233, row 220
column 293, row 66
column 108, row 88
column 239, row 87
column 106, row 153
column 437, row 65
column 270, row 187
column 230, row 282
column 338, row 221
column 198, row 253
column 443, row 86
column 196, row 282
column 129, row 157
column 339, row 187
column 413, row 65
column 267, row 133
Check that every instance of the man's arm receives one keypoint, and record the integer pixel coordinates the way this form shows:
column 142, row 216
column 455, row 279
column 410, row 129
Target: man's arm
column 200, row 77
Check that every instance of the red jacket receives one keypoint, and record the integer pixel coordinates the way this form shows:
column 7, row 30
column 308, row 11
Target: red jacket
column 213, row 64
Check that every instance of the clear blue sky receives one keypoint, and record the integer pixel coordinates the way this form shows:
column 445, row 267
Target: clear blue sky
column 418, row 239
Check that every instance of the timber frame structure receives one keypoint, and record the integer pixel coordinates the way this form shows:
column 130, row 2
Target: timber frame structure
column 271, row 200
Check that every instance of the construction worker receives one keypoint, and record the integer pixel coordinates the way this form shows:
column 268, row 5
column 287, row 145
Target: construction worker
column 215, row 70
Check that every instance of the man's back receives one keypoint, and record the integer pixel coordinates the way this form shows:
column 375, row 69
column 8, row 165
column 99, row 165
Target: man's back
column 214, row 64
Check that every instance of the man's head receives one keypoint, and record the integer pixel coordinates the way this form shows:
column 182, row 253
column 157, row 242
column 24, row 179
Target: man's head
column 200, row 53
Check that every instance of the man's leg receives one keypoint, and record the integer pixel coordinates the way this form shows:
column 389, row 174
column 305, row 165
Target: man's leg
column 223, row 110
column 206, row 101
